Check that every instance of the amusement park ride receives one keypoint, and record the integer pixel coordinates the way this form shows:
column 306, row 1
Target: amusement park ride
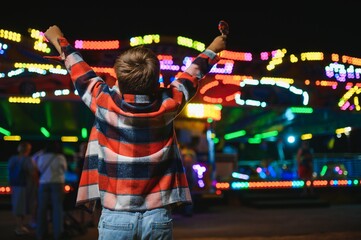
column 246, row 100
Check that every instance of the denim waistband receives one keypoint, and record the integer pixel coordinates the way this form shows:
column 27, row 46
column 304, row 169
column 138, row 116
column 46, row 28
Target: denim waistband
column 148, row 212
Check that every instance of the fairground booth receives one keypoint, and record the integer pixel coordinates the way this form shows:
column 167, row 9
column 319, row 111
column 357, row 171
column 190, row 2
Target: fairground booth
column 246, row 123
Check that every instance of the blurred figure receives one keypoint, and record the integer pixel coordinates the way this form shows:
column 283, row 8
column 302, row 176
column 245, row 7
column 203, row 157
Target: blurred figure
column 52, row 165
column 21, row 177
column 32, row 184
column 305, row 165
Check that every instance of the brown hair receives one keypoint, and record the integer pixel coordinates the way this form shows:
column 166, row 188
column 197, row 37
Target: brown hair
column 137, row 70
column 24, row 148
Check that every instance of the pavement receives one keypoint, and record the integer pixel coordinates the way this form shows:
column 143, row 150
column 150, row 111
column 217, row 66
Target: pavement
column 231, row 218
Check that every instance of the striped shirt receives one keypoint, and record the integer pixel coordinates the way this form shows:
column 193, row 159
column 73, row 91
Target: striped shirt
column 132, row 162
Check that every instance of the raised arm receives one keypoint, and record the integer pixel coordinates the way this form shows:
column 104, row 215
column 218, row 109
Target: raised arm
column 218, row 44
column 205, row 61
column 53, row 33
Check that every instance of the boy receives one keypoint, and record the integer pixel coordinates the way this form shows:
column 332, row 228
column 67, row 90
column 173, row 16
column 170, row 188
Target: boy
column 133, row 164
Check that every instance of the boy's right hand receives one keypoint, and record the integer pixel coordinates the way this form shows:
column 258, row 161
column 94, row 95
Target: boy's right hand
column 52, row 34
column 218, row 44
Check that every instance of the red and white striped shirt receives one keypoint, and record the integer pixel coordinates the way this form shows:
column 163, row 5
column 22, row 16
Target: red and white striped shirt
column 132, row 161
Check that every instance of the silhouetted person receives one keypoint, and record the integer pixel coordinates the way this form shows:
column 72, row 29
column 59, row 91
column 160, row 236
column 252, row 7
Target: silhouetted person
column 21, row 176
column 52, row 165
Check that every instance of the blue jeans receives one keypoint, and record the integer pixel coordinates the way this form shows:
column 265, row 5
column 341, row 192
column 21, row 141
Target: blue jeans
column 50, row 195
column 151, row 224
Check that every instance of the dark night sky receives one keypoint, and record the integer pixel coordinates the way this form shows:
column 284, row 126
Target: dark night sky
column 254, row 26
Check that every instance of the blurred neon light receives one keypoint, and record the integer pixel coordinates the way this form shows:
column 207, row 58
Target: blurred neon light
column 240, row 175
column 69, row 139
column 222, row 185
column 279, row 82
column 190, row 43
column 345, row 130
column 266, row 134
column 146, row 39
column 203, row 111
column 24, row 100
column 5, row 132
column 12, row 138
column 306, row 136
column 5, row 190
column 289, row 184
column 239, row 56
column 10, row 35
column 200, row 170
column 233, row 135
column 254, row 140
column 312, row 56
column 97, row 45
column 45, row 132
column 306, row 110
column 84, row 133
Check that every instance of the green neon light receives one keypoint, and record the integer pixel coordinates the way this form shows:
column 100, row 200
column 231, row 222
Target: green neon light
column 266, row 134
column 254, row 140
column 84, row 133
column 5, row 132
column 190, row 43
column 305, row 110
column 45, row 132
column 237, row 134
column 49, row 116
column 323, row 170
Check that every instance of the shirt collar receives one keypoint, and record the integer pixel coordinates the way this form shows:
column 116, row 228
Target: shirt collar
column 140, row 99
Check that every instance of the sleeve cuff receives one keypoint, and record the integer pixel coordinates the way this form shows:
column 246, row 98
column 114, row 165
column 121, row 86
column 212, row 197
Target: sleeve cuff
column 63, row 42
column 210, row 53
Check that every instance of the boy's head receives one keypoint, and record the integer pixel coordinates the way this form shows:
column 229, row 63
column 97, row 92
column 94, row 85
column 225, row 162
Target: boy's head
column 137, row 70
column 24, row 148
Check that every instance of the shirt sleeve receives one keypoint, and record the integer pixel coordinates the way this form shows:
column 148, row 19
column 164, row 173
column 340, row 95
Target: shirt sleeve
column 85, row 80
column 187, row 83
